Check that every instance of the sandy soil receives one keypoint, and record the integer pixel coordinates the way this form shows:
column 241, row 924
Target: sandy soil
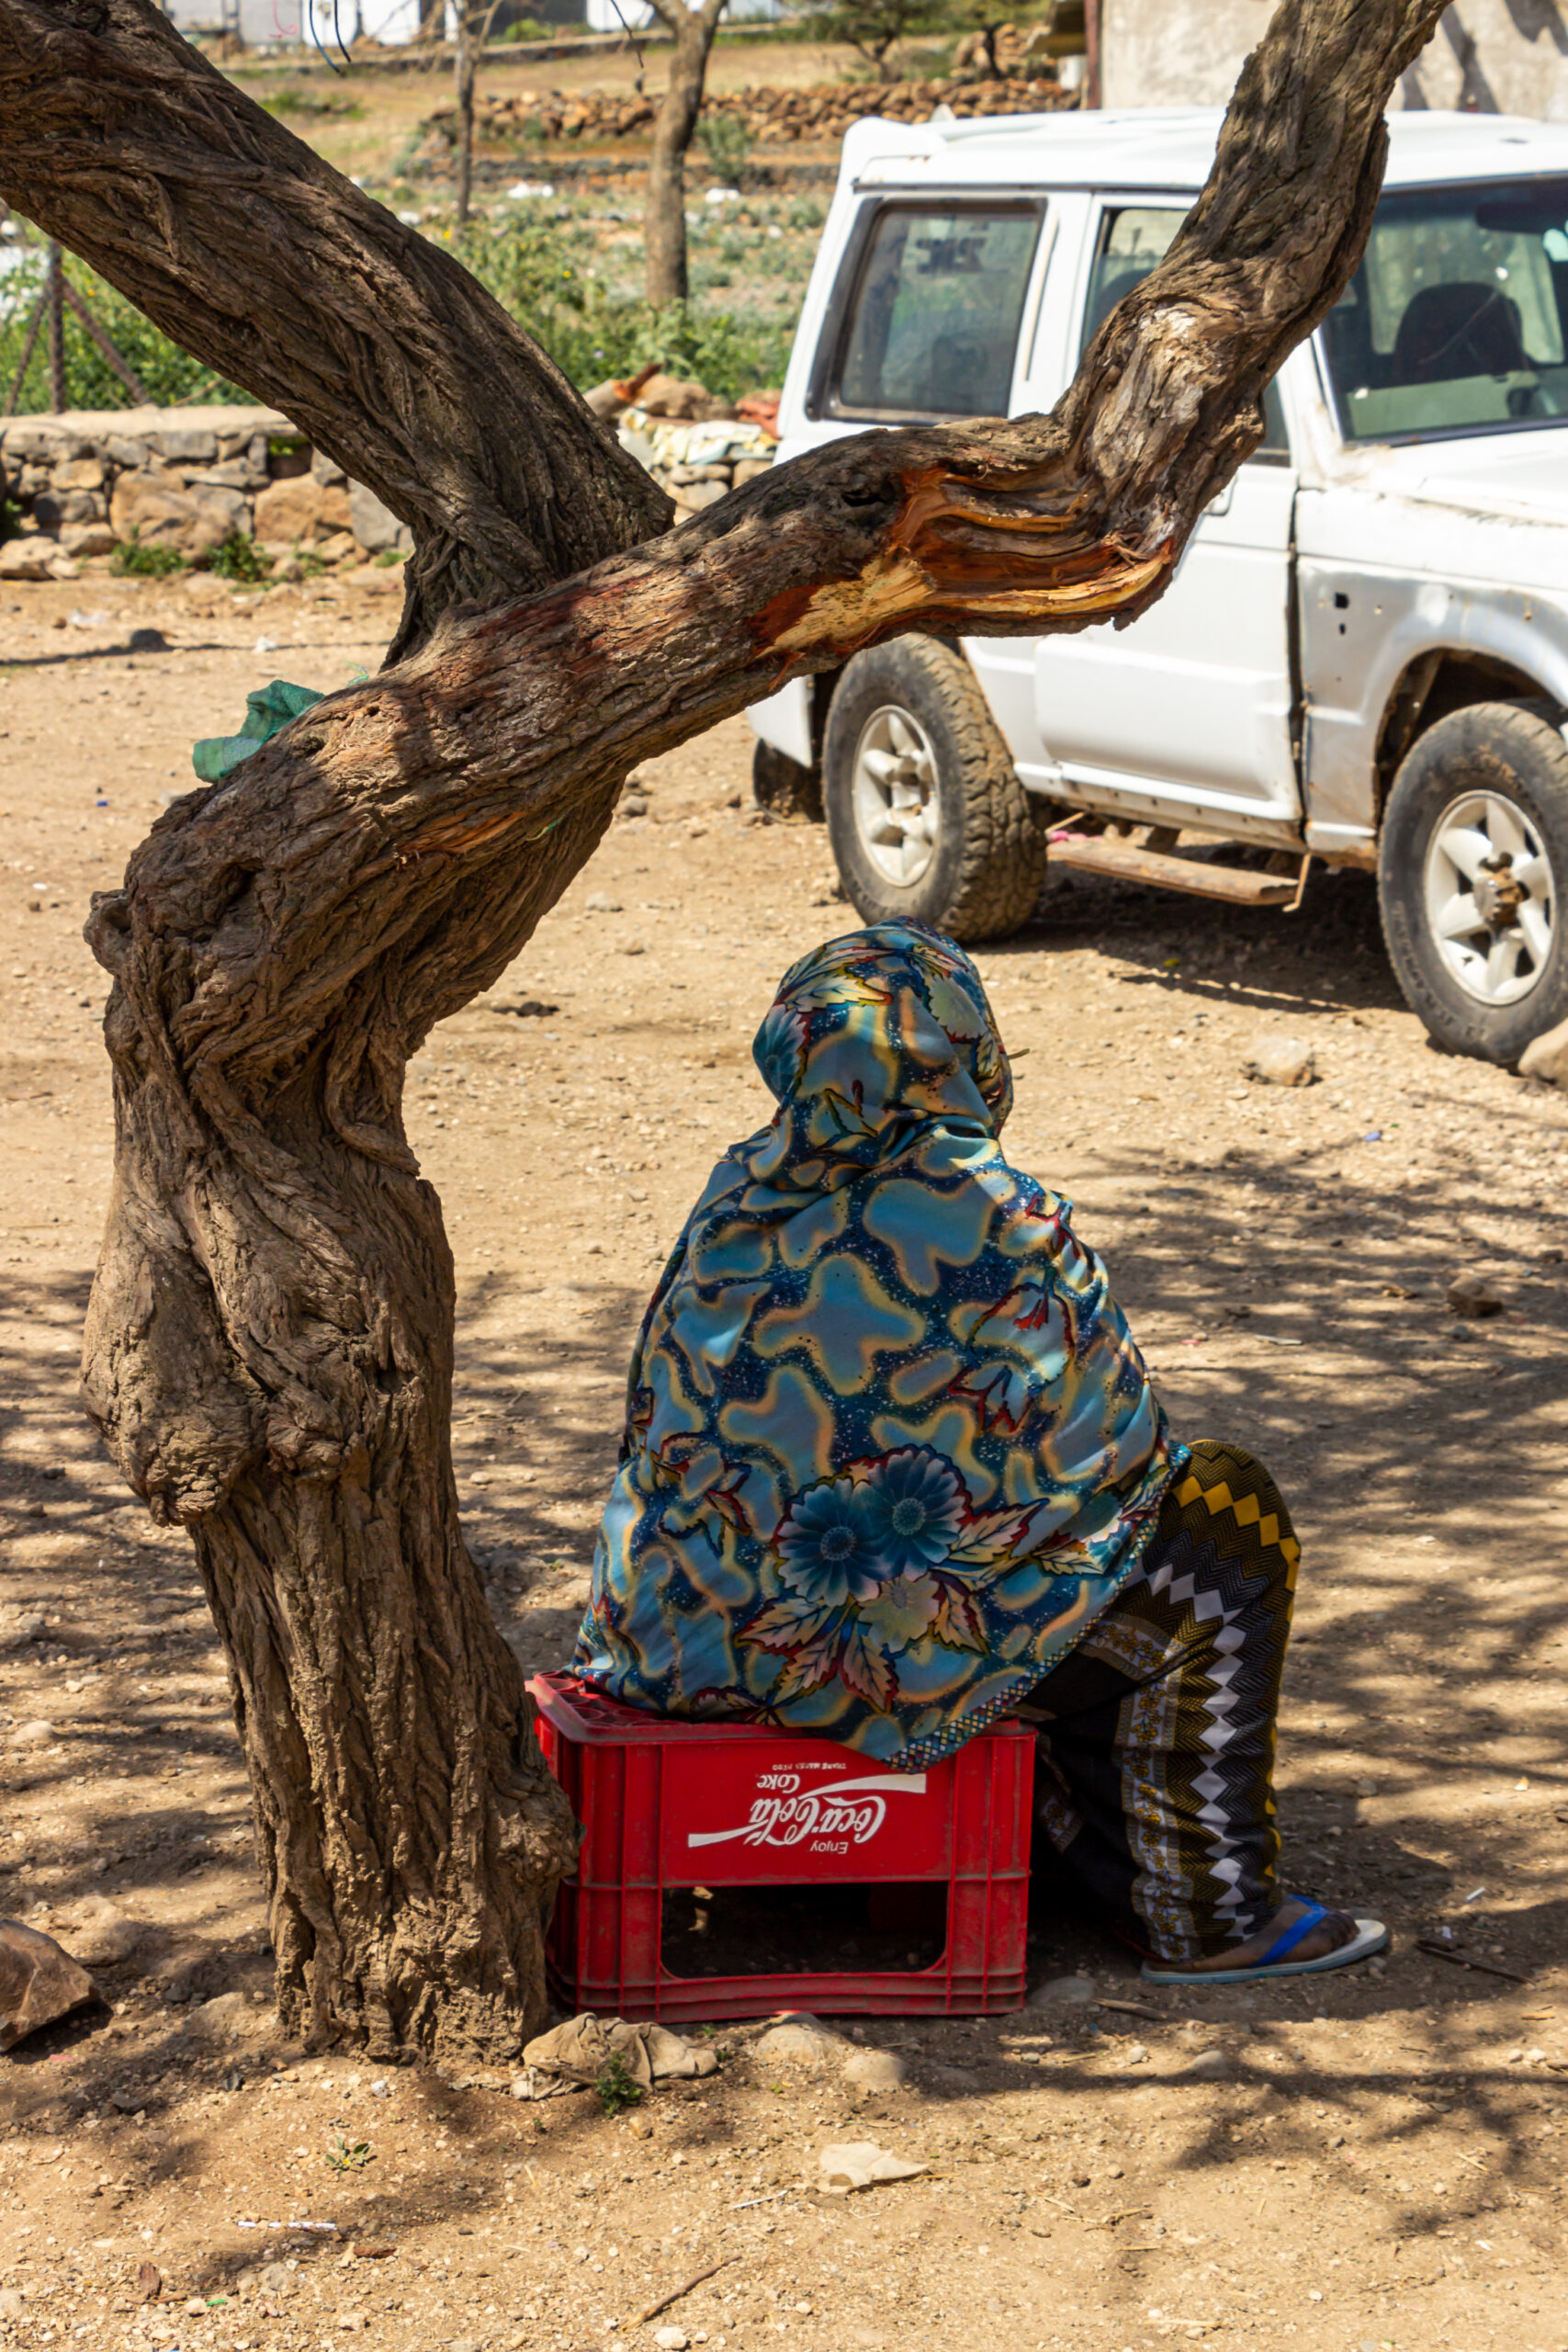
column 1379, row 2162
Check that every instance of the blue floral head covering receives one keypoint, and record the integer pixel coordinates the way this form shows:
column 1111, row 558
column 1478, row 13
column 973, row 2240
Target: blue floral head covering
column 889, row 1448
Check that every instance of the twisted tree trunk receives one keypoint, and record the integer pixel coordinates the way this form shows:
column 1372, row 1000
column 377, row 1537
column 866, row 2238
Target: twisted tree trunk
column 269, row 1346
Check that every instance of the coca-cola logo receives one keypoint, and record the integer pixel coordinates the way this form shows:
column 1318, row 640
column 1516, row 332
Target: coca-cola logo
column 832, row 1818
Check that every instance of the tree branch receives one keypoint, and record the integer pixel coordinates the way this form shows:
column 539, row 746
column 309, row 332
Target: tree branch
column 119, row 139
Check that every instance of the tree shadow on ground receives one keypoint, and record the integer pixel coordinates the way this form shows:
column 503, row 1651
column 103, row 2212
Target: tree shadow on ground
column 1419, row 1663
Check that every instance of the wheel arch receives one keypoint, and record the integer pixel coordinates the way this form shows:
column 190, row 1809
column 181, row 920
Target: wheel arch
column 1442, row 679
column 825, row 686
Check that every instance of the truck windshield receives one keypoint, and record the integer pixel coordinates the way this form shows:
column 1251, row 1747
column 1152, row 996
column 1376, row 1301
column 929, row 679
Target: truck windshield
column 1454, row 321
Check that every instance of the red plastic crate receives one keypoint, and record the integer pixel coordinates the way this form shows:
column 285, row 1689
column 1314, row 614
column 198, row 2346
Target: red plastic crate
column 674, row 1804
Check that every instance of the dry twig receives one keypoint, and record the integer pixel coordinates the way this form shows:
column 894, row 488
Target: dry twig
column 1485, row 1967
column 676, row 2292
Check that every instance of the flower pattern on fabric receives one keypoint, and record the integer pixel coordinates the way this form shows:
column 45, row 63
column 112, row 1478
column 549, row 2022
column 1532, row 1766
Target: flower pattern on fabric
column 826, row 1545
column 916, row 1501
column 889, row 1448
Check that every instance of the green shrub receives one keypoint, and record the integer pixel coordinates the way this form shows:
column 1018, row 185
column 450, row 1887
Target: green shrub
column 538, row 271
column 294, row 98
column 168, row 374
column 131, row 561
column 240, row 560
column 544, row 272
column 527, row 28
column 617, row 2086
column 726, row 143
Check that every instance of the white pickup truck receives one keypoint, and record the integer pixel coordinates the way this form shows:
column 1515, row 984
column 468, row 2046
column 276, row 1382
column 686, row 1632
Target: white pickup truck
column 1364, row 655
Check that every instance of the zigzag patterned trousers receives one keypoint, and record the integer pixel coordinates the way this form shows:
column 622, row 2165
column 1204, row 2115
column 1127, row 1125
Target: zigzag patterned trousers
column 1157, row 1753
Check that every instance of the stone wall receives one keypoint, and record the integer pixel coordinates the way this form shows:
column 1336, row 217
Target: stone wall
column 82, row 484
column 696, row 463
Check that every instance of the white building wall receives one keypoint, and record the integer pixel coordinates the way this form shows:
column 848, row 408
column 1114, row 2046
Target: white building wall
column 1487, row 56
column 603, row 16
column 264, row 24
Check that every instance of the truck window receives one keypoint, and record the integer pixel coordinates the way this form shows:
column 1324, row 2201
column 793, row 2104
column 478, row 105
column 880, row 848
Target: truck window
column 1454, row 321
column 1132, row 237
column 931, row 327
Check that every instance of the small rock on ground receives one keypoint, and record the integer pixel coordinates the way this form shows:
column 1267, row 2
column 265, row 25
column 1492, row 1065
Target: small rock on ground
column 800, row 2041
column 39, row 1982
column 226, row 2018
column 1467, row 1295
column 1210, row 2066
column 102, row 1936
column 1056, row 1989
column 877, row 2070
column 1280, row 1061
column 1546, row 1057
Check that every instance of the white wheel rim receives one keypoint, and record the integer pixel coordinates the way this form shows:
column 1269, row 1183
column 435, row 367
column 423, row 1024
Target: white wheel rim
column 1490, row 896
column 894, row 795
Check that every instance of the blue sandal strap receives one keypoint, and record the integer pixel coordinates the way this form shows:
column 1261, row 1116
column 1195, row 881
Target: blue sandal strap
column 1285, row 1944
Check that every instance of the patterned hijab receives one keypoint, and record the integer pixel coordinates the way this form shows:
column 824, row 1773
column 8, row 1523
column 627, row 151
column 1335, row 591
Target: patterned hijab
column 889, row 1448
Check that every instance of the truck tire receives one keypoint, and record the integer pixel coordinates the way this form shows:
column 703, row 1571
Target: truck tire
column 783, row 788
column 928, row 820
column 1473, row 868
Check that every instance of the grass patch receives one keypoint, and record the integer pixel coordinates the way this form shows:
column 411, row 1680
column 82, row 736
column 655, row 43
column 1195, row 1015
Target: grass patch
column 617, row 2086
column 131, row 561
column 240, row 560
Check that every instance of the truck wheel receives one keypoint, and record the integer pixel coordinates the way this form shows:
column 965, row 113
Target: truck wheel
column 784, row 786
column 1472, row 868
column 928, row 820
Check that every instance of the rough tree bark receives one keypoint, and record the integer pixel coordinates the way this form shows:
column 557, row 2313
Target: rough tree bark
column 269, row 1345
column 674, row 125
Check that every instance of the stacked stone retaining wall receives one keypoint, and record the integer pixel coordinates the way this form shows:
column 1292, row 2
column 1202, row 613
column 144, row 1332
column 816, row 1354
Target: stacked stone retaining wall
column 81, row 485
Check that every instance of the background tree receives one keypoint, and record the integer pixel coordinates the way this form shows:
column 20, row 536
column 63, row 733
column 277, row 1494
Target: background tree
column 664, row 219
column 981, row 20
column 474, row 23
column 268, row 1349
column 874, row 28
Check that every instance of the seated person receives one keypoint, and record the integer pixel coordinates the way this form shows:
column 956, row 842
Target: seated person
column 893, row 1467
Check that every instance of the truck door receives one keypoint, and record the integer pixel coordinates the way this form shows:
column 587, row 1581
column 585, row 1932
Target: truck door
column 1193, row 701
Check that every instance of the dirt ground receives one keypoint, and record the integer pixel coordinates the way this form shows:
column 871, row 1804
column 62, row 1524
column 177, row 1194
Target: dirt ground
column 1373, row 2160
column 368, row 116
